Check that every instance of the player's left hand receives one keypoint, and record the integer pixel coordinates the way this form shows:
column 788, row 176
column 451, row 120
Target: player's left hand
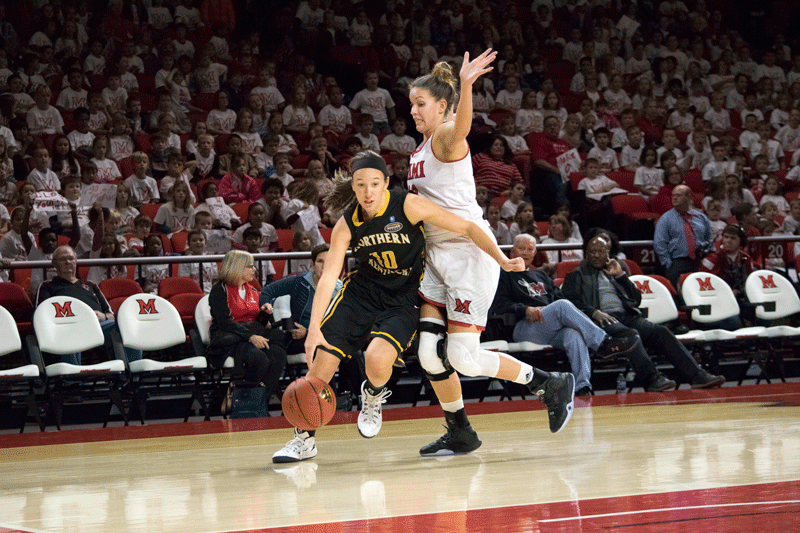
column 472, row 70
column 514, row 265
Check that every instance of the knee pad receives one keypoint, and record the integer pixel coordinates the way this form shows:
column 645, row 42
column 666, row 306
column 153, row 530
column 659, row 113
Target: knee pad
column 431, row 333
column 465, row 356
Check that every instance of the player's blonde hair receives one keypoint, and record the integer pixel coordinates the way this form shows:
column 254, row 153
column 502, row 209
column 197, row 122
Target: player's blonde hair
column 441, row 83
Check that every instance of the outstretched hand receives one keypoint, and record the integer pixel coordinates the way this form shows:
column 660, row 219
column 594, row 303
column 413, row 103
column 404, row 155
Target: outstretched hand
column 514, row 265
column 472, row 70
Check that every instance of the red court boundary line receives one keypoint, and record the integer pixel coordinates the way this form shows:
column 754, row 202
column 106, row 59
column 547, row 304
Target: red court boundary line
column 778, row 393
column 756, row 507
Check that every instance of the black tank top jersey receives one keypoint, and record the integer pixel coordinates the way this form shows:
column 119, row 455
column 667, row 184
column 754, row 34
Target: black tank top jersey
column 388, row 247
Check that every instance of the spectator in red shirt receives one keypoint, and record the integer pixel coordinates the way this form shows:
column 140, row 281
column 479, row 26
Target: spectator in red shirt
column 650, row 123
column 545, row 149
column 495, row 169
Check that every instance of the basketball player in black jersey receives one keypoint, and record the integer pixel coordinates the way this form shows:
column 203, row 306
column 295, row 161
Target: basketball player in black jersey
column 379, row 300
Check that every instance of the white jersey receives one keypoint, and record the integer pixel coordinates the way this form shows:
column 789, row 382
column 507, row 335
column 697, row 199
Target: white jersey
column 449, row 185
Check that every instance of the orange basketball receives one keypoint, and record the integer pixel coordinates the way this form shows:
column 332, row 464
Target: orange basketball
column 308, row 403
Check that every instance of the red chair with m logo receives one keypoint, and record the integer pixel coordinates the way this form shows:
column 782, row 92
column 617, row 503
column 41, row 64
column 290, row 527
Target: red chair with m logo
column 150, row 323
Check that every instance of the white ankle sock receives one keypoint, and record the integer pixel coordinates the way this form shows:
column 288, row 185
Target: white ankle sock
column 452, row 407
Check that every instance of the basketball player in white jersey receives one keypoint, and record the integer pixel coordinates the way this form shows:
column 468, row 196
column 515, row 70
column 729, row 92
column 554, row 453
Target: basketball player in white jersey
column 460, row 282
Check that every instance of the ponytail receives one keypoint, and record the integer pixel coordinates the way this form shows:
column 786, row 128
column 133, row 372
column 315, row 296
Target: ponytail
column 441, row 83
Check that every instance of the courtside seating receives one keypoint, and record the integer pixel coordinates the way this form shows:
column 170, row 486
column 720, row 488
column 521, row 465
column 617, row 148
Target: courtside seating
column 201, row 338
column 21, row 381
column 712, row 300
column 65, row 325
column 774, row 298
column 150, row 323
column 658, row 306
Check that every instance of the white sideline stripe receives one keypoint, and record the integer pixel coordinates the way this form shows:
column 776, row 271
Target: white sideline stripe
column 21, row 528
column 666, row 509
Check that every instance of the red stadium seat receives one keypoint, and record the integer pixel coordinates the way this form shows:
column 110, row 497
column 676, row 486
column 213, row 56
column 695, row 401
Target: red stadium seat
column 285, row 237
column 117, row 291
column 565, row 267
column 125, row 167
column 693, row 177
column 624, row 178
column 185, row 304
column 16, row 300
column 326, row 234
column 241, row 211
column 149, row 210
column 169, row 287
column 634, row 267
column 179, row 240
column 575, row 178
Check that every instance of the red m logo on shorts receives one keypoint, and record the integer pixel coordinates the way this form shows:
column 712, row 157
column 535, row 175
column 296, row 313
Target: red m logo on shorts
column 147, row 308
column 63, row 311
column 644, row 286
column 705, row 284
column 768, row 282
column 462, row 306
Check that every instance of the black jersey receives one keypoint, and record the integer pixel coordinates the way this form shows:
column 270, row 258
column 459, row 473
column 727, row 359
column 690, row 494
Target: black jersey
column 389, row 247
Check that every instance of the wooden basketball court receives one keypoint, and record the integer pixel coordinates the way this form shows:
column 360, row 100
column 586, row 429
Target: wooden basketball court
column 724, row 460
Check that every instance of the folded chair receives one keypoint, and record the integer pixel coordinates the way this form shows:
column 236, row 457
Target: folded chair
column 150, row 323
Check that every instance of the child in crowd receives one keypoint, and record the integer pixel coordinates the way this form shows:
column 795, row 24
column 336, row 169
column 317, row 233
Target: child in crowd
column 769, row 147
column 153, row 274
column 559, row 232
column 141, row 229
column 564, row 208
column 143, row 188
column 265, row 270
column 198, row 128
column 528, row 119
column 718, row 116
column 398, row 142
column 669, row 144
column 714, row 214
column 235, row 148
column 251, row 141
column 599, row 190
column 237, row 186
column 98, row 120
column 772, row 193
column 256, row 215
column 124, row 207
column 619, row 135
column 81, row 138
column 399, row 178
column 178, row 213
column 336, row 119
column 115, row 96
column 681, row 119
column 109, row 248
column 298, row 115
column 648, row 178
column 602, row 152
column 481, row 196
column 631, row 155
column 301, row 212
column 206, row 161
column 107, row 169
column 699, row 153
column 64, row 162
column 515, row 199
column 301, row 242
column 44, row 119
column 176, row 172
column 196, row 245
column 166, row 127
column 523, row 221
column 41, row 177
column 719, row 167
column 120, row 141
column 369, row 140
column 498, row 227
column 286, row 142
column 282, row 168
column 222, row 119
column 792, row 221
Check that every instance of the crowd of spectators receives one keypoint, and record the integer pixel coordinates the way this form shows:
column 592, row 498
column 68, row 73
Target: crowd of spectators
column 203, row 126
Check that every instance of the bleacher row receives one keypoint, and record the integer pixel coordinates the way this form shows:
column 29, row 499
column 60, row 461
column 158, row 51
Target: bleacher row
column 174, row 362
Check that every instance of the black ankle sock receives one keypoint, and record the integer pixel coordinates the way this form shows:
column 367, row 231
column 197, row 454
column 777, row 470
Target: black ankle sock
column 457, row 419
column 372, row 389
column 539, row 377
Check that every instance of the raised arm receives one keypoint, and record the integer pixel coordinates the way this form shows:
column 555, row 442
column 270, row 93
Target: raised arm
column 451, row 137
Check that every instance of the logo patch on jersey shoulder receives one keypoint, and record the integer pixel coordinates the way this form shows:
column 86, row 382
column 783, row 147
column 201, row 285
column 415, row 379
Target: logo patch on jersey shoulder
column 393, row 227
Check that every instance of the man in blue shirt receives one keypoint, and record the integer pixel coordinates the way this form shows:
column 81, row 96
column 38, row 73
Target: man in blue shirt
column 682, row 236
